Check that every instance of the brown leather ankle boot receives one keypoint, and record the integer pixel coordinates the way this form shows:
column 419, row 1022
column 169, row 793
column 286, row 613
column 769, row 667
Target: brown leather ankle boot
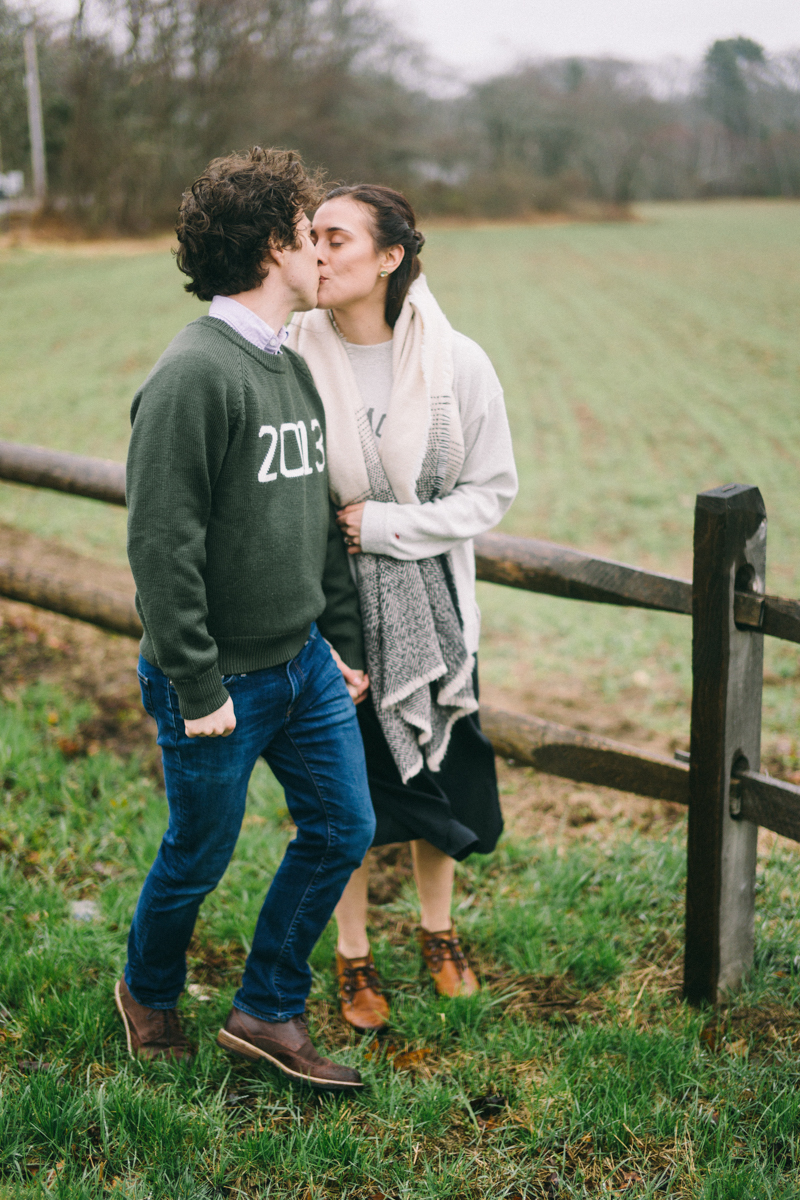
column 363, row 1003
column 447, row 963
column 151, row 1032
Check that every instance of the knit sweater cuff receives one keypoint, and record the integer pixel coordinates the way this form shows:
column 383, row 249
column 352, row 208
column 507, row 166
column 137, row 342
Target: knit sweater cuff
column 200, row 696
column 351, row 652
column 373, row 527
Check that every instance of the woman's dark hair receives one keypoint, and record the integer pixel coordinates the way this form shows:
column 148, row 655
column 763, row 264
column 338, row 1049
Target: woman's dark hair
column 230, row 217
column 393, row 224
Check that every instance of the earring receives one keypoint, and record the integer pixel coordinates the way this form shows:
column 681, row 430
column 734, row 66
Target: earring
column 384, row 274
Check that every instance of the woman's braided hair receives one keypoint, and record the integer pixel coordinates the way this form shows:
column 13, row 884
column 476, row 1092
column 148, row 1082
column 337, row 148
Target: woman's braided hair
column 393, row 224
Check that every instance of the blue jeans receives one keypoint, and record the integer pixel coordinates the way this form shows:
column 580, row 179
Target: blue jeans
column 300, row 718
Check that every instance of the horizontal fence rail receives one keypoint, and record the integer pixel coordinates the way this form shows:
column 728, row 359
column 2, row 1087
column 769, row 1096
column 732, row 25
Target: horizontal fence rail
column 561, row 571
column 769, row 614
column 585, row 757
column 528, row 563
column 555, row 570
column 765, row 801
column 95, row 478
column 110, row 610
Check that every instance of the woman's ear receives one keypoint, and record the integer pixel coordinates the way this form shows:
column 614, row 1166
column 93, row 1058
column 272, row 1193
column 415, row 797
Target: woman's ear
column 391, row 259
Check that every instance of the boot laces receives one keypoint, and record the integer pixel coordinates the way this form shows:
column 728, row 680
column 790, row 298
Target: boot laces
column 358, row 979
column 440, row 948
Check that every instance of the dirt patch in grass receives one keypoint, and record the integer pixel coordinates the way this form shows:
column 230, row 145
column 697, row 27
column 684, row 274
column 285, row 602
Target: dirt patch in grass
column 770, row 1028
column 546, row 998
column 55, row 234
column 390, row 869
column 569, row 700
column 42, row 647
column 212, row 963
column 88, row 663
column 101, row 667
column 553, row 809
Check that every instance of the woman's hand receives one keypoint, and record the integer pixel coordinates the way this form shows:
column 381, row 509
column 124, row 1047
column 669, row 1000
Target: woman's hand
column 356, row 682
column 349, row 520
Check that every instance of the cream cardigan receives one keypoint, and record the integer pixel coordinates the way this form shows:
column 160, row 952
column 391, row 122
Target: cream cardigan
column 484, row 490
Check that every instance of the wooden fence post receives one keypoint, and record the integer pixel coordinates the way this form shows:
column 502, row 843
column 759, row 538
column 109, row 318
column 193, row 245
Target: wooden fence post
column 730, row 544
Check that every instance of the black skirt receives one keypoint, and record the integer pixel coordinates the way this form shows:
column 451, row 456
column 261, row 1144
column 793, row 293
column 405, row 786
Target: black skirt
column 456, row 809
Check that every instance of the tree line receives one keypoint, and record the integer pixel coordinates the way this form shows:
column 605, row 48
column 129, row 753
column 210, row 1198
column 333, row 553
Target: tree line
column 138, row 99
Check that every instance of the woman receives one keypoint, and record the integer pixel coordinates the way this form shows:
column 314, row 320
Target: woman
column 420, row 461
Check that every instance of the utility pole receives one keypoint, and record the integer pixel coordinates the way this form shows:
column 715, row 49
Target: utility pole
column 35, row 122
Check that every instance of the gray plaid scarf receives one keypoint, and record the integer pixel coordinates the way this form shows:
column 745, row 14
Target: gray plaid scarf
column 419, row 667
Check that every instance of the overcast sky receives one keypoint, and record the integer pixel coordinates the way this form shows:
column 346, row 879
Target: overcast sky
column 478, row 37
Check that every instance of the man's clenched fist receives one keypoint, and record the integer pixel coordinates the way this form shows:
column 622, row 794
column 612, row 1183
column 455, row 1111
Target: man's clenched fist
column 216, row 724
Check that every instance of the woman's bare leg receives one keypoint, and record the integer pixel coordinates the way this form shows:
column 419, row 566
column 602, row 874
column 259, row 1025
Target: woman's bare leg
column 351, row 915
column 434, row 872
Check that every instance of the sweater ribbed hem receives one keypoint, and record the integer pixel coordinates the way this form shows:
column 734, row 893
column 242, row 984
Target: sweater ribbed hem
column 205, row 693
column 238, row 656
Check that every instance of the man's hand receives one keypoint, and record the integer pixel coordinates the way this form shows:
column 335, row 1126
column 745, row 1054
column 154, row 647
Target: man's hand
column 349, row 521
column 216, row 724
column 356, row 682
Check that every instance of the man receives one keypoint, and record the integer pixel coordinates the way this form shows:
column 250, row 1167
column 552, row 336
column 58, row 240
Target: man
column 236, row 557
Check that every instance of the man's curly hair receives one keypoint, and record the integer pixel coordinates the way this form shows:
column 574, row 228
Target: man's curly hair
column 241, row 205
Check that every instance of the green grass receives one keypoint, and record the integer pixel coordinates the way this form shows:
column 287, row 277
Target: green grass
column 642, row 362
column 77, row 337
column 607, row 1083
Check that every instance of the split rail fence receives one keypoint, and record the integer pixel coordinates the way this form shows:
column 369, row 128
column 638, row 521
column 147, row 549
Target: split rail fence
column 727, row 796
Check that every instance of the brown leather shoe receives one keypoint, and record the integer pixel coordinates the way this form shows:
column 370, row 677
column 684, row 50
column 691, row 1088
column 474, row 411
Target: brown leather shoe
column 151, row 1032
column 288, row 1047
column 447, row 963
column 363, row 1003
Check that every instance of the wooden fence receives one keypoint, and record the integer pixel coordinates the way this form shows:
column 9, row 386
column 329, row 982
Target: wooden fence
column 727, row 796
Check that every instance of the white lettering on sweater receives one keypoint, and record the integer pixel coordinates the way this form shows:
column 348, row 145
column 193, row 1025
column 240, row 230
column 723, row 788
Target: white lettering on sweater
column 292, row 472
column 265, row 475
column 319, row 445
column 300, row 433
column 307, row 470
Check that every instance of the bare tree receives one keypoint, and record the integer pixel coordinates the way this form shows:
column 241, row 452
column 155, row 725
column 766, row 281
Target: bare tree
column 134, row 112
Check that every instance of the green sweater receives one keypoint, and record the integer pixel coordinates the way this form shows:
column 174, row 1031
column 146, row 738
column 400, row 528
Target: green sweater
column 232, row 539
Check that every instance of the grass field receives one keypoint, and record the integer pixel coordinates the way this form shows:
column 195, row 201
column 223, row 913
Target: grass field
column 575, row 1074
column 642, row 362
